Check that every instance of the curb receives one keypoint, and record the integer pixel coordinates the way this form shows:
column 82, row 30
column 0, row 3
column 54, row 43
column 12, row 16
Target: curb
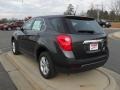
column 25, row 74
column 111, row 86
column 112, row 28
column 111, row 75
column 115, row 28
column 115, row 35
column 28, row 75
column 115, row 75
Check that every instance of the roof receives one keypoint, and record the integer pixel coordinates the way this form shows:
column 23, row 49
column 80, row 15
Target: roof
column 66, row 16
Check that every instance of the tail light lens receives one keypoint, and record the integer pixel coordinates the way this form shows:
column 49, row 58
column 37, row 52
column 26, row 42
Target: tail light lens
column 65, row 42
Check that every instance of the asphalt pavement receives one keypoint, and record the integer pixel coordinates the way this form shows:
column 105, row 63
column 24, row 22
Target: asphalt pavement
column 114, row 59
column 5, row 43
column 114, row 47
column 5, row 81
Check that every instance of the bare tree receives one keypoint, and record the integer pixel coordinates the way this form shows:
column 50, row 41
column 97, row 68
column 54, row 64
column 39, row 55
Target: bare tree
column 115, row 6
column 92, row 12
column 70, row 10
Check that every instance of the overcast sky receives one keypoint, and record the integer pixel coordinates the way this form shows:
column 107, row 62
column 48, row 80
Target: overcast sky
column 17, row 9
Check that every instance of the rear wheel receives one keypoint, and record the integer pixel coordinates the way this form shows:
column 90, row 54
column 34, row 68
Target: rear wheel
column 15, row 47
column 46, row 66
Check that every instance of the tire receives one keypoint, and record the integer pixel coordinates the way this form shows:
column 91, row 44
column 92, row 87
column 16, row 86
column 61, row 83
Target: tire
column 104, row 26
column 15, row 47
column 46, row 66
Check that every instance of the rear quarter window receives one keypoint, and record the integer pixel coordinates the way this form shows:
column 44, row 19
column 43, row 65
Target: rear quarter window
column 57, row 24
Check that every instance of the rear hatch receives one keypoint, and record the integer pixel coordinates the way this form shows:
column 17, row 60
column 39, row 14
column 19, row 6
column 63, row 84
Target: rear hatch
column 88, row 38
column 88, row 46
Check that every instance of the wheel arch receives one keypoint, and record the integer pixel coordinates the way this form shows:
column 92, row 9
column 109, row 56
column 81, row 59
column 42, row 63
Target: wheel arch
column 14, row 36
column 39, row 50
column 12, row 39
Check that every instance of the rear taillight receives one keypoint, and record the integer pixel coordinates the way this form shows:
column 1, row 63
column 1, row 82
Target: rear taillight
column 65, row 42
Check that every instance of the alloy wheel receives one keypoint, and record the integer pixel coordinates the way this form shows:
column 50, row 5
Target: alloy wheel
column 44, row 65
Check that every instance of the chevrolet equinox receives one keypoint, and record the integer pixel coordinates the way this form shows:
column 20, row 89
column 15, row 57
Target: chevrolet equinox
column 62, row 43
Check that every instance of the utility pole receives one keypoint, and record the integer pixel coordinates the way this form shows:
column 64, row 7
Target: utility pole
column 20, row 2
column 98, row 12
column 102, row 7
column 98, row 9
column 77, row 6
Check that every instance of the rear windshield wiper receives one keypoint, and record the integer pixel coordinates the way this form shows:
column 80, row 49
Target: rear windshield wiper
column 86, row 31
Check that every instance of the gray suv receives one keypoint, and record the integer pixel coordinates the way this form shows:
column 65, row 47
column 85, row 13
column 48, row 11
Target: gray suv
column 62, row 43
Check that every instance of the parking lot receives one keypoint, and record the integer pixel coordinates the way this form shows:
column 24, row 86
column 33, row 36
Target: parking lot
column 5, row 37
column 113, row 62
column 24, row 82
column 60, row 45
column 25, row 77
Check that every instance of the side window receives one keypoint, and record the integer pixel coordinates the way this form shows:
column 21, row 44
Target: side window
column 37, row 25
column 28, row 24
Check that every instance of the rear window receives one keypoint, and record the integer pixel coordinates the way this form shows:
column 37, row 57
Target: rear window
column 70, row 25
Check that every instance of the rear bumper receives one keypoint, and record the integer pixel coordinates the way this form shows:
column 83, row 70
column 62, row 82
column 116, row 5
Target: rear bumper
column 71, row 65
column 82, row 68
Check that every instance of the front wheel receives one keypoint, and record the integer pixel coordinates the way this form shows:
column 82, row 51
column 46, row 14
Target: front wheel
column 46, row 66
column 15, row 48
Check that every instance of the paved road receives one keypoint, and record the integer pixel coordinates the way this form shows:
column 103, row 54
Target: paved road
column 5, row 37
column 114, row 47
column 114, row 59
column 5, row 81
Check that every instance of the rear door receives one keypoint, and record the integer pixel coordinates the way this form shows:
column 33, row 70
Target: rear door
column 34, row 34
column 29, row 40
column 23, row 37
